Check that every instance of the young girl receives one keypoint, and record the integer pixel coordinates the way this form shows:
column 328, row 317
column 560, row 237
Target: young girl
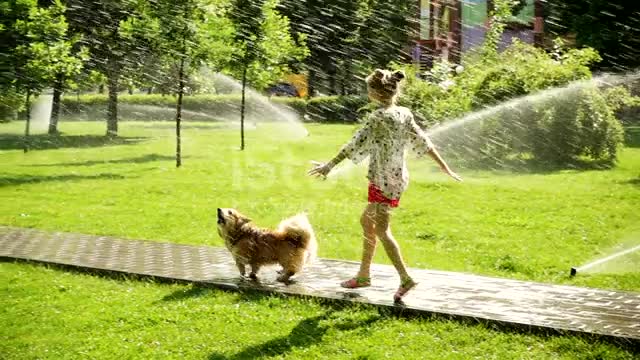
column 384, row 138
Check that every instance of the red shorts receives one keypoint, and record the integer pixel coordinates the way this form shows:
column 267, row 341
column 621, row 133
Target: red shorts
column 376, row 196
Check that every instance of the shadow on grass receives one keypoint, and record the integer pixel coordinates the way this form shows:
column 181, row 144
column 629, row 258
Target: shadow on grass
column 632, row 136
column 33, row 179
column 46, row 142
column 635, row 181
column 133, row 160
column 306, row 333
column 532, row 166
column 171, row 126
column 183, row 294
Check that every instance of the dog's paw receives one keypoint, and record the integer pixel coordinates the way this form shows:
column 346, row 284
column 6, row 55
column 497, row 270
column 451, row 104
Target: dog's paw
column 285, row 279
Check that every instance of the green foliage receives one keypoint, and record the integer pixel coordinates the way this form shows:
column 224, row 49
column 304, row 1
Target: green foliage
column 335, row 108
column 610, row 27
column 346, row 39
column 580, row 125
column 522, row 69
column 11, row 103
column 571, row 125
column 263, row 43
column 38, row 46
column 502, row 12
column 434, row 102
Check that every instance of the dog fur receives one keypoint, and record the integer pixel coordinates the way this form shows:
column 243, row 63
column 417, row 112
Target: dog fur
column 292, row 244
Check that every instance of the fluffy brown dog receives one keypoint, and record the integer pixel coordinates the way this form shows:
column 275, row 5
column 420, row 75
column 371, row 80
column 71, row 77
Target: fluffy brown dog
column 291, row 245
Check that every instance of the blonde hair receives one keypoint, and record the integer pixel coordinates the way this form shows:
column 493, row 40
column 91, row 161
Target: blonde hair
column 384, row 85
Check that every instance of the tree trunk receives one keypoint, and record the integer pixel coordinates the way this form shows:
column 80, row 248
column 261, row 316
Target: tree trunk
column 149, row 90
column 242, row 105
column 55, row 104
column 346, row 76
column 332, row 80
column 179, row 112
column 26, row 128
column 538, row 28
column 112, row 107
column 101, row 89
column 311, row 83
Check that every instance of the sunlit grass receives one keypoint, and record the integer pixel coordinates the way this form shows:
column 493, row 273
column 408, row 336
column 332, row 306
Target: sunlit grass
column 54, row 314
column 526, row 226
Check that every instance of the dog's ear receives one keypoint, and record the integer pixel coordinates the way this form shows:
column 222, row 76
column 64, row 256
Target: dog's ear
column 398, row 75
column 242, row 219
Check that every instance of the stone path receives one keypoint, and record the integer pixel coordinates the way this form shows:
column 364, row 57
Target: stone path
column 610, row 314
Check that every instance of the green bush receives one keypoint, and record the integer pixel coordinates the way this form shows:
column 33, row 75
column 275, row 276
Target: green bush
column 433, row 103
column 555, row 128
column 11, row 103
column 584, row 127
column 568, row 127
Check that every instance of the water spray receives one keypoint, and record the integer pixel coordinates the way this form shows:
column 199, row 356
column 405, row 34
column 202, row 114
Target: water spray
column 574, row 270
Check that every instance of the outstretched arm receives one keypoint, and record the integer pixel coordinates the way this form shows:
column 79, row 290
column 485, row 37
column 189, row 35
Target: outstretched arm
column 422, row 144
column 355, row 149
column 433, row 153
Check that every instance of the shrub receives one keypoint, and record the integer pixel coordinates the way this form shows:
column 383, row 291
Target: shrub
column 556, row 128
column 584, row 127
column 433, row 102
column 11, row 103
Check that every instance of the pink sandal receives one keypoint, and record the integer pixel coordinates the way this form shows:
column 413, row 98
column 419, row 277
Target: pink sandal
column 406, row 285
column 356, row 282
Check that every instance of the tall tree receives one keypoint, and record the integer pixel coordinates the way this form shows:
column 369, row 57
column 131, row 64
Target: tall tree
column 347, row 38
column 611, row 27
column 191, row 33
column 264, row 46
column 36, row 49
column 247, row 17
column 113, row 50
column 387, row 31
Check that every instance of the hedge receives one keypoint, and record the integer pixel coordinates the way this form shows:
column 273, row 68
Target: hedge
column 342, row 109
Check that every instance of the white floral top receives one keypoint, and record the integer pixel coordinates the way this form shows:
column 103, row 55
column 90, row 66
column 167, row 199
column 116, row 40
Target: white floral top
column 384, row 138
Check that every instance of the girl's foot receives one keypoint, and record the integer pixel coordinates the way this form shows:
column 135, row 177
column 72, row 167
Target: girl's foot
column 405, row 285
column 356, row 282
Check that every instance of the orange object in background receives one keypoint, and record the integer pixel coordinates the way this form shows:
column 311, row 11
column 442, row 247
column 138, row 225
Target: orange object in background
column 299, row 81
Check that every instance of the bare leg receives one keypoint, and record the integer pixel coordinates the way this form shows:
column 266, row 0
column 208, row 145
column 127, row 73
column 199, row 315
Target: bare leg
column 369, row 241
column 383, row 231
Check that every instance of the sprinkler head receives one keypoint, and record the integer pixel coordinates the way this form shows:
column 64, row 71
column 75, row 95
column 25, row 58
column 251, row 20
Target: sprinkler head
column 574, row 271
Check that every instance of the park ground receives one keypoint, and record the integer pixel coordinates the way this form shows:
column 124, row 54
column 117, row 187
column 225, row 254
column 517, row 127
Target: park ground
column 529, row 225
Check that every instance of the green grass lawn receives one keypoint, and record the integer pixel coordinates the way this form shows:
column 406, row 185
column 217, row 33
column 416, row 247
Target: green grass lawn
column 532, row 226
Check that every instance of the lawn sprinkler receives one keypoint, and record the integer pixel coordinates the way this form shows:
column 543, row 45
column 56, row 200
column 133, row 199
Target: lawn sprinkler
column 574, row 270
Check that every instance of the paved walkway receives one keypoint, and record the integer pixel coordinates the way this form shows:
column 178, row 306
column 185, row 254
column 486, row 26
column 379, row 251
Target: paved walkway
column 609, row 314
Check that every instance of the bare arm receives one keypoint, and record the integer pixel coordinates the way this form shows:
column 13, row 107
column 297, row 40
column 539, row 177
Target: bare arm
column 435, row 155
column 354, row 149
column 422, row 144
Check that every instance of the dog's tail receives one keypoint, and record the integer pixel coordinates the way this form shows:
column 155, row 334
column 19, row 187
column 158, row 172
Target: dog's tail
column 301, row 232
